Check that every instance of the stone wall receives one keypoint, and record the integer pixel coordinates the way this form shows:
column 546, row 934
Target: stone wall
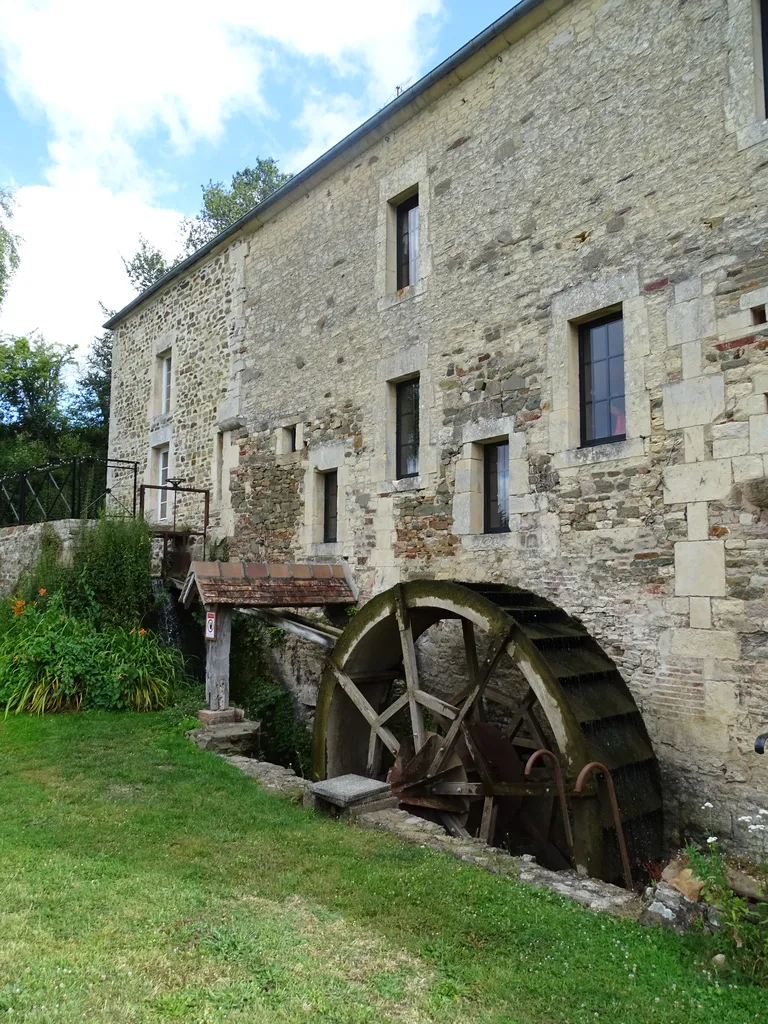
column 609, row 158
column 20, row 547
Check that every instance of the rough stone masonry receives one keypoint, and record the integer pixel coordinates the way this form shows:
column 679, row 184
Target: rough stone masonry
column 591, row 157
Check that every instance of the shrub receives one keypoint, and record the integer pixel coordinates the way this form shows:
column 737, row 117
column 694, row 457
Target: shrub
column 51, row 660
column 284, row 738
column 108, row 579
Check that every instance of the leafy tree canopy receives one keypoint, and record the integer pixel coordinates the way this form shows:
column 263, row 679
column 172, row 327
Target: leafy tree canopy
column 9, row 252
column 222, row 205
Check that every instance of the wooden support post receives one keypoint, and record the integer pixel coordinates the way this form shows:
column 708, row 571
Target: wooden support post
column 217, row 660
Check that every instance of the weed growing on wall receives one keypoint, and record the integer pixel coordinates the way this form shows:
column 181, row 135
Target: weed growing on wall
column 107, row 579
column 743, row 924
column 284, row 739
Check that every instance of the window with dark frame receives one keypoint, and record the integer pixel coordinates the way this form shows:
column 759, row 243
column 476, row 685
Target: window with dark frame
column 407, row 428
column 601, row 380
column 408, row 242
column 330, row 507
column 763, row 36
column 496, row 487
column 292, row 438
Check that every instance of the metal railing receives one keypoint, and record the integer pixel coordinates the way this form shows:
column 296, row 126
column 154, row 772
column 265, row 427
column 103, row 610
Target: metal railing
column 79, row 489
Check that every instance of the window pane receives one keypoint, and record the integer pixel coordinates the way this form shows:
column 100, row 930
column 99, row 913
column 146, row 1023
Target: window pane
column 618, row 418
column 408, row 242
column 330, row 507
column 407, row 428
column 616, row 338
column 599, row 342
column 600, row 380
column 600, row 421
column 617, row 375
column 496, row 487
column 413, row 245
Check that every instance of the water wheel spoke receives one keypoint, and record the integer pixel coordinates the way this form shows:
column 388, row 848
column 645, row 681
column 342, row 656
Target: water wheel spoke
column 480, row 762
column 497, row 649
column 365, row 709
column 410, row 667
column 441, row 707
column 488, row 821
column 518, row 718
column 393, row 709
column 374, row 753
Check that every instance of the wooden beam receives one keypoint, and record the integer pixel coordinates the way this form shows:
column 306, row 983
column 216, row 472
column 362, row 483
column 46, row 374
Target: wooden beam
column 410, row 666
column 217, row 660
column 307, row 629
column 435, row 704
column 365, row 709
column 446, row 747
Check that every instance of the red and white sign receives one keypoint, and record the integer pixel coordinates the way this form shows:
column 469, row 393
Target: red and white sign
column 210, row 625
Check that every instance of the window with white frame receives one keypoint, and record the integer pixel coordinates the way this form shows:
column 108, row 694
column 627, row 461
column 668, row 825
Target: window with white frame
column 165, row 383
column 163, row 457
column 496, row 487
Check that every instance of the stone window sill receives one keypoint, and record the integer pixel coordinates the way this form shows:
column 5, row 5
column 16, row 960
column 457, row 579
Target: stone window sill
column 322, row 550
column 413, row 291
column 489, row 541
column 632, row 448
column 403, row 486
column 752, row 135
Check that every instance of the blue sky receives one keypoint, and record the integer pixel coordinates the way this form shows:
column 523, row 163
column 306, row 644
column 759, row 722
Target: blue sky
column 113, row 115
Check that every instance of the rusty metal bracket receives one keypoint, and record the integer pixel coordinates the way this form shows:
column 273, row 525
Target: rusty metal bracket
column 597, row 766
column 560, row 783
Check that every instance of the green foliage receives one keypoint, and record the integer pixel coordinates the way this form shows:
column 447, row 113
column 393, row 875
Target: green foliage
column 147, row 265
column 53, row 661
column 108, row 580
column 9, row 251
column 743, row 924
column 32, row 386
column 284, row 739
column 223, row 205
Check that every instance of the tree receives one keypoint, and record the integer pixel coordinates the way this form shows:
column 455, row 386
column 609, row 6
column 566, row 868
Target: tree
column 222, row 206
column 147, row 266
column 32, row 386
column 9, row 251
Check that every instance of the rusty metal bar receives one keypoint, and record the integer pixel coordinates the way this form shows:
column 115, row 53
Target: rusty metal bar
column 596, row 766
column 560, row 783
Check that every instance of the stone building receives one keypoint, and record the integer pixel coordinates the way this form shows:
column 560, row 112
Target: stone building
column 512, row 329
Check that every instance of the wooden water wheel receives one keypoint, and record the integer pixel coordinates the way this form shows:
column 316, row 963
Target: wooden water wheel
column 457, row 753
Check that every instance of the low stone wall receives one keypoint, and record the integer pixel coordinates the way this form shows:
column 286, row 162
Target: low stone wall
column 20, row 546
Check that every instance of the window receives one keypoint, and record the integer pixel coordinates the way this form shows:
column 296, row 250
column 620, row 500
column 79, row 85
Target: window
column 601, row 380
column 291, row 438
column 761, row 56
column 407, row 428
column 162, row 479
column 758, row 316
column 408, row 242
column 165, row 385
column 330, row 507
column 496, row 487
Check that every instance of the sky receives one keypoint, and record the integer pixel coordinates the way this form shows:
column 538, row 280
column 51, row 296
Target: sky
column 114, row 114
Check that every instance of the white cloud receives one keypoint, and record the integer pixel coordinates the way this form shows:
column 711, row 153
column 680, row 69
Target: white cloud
column 107, row 77
column 69, row 262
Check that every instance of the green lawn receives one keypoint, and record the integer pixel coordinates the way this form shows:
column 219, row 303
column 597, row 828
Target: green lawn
column 143, row 880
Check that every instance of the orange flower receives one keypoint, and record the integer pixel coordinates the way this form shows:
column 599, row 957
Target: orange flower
column 142, row 632
column 18, row 606
column 42, row 591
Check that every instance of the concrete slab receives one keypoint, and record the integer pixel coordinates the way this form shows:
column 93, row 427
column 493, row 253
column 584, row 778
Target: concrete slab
column 222, row 717
column 347, row 790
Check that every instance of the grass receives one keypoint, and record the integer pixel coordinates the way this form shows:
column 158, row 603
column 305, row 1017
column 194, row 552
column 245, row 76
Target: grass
column 144, row 881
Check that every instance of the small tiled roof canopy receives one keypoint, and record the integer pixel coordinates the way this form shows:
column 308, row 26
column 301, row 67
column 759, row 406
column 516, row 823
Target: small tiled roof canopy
column 267, row 584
